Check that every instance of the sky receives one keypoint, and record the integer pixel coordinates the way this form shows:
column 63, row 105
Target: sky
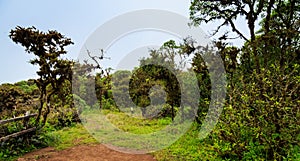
column 73, row 18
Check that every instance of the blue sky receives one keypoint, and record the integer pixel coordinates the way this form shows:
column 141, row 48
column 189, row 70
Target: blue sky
column 73, row 18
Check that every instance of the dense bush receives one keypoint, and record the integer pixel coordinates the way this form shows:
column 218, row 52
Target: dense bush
column 261, row 118
column 16, row 99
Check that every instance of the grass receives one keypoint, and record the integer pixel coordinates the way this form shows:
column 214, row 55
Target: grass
column 137, row 125
column 187, row 147
column 135, row 133
column 69, row 137
column 100, row 132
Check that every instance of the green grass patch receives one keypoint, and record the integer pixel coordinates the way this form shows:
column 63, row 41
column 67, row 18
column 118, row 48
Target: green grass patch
column 120, row 129
column 69, row 137
column 189, row 147
column 78, row 134
column 137, row 125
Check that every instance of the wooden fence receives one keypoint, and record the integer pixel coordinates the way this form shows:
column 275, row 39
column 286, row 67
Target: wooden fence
column 25, row 131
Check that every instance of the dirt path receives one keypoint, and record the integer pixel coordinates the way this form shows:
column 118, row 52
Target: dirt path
column 84, row 153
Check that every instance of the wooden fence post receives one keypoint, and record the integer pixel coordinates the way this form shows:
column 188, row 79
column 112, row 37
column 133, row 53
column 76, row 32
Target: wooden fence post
column 25, row 123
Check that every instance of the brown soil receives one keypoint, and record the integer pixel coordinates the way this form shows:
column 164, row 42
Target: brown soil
column 84, row 153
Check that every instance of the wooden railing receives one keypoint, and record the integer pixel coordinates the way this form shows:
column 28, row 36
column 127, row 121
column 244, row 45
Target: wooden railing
column 25, row 131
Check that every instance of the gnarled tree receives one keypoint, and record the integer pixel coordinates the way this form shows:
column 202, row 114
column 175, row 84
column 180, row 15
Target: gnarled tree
column 47, row 47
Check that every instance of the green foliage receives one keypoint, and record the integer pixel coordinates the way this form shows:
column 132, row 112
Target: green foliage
column 13, row 101
column 263, row 114
column 29, row 87
column 120, row 81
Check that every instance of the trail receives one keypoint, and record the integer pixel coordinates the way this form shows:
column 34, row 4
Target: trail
column 84, row 153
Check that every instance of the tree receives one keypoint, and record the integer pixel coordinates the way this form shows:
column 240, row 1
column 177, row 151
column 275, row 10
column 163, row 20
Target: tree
column 148, row 76
column 280, row 18
column 279, row 38
column 103, row 85
column 120, row 90
column 47, row 47
column 160, row 69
